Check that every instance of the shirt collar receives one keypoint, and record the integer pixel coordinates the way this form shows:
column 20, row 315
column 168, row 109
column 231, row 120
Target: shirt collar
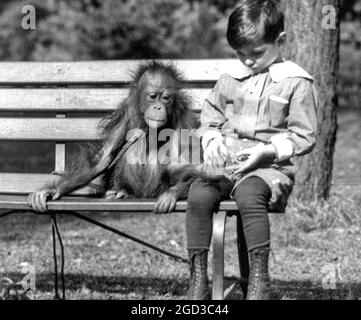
column 287, row 69
column 278, row 71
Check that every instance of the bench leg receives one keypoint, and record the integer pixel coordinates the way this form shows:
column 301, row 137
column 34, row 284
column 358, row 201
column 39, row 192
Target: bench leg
column 218, row 255
column 242, row 256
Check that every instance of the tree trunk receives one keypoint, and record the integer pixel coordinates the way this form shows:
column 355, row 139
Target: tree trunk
column 316, row 48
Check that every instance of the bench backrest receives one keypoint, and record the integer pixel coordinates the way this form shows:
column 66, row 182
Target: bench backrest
column 28, row 90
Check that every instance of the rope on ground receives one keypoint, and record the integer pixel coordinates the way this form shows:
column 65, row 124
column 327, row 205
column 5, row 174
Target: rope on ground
column 56, row 233
column 125, row 235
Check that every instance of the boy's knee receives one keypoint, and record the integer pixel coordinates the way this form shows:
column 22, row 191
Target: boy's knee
column 203, row 196
column 252, row 194
column 249, row 204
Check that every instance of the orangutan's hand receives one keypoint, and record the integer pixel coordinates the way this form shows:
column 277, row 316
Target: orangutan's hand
column 38, row 200
column 166, row 202
column 114, row 194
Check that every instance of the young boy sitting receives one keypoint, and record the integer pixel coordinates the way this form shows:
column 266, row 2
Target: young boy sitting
column 251, row 126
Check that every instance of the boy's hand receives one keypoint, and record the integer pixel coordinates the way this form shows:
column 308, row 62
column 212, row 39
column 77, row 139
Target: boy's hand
column 249, row 158
column 215, row 154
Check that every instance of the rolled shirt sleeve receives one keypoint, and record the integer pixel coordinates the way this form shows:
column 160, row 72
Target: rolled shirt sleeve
column 300, row 137
column 213, row 114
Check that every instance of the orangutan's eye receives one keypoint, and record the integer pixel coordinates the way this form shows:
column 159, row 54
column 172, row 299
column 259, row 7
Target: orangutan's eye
column 152, row 96
column 166, row 99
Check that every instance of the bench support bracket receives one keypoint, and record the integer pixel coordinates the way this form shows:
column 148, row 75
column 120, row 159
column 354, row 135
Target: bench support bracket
column 219, row 226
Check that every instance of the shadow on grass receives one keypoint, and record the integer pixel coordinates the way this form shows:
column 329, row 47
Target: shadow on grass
column 304, row 290
column 32, row 223
column 140, row 286
column 148, row 287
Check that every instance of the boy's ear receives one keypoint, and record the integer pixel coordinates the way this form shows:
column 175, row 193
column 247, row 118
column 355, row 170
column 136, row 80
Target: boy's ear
column 281, row 39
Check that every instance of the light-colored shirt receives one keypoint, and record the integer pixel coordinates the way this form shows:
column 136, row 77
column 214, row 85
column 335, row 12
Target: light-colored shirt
column 276, row 106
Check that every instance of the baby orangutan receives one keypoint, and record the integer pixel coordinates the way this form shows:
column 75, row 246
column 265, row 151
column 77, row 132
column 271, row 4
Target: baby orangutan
column 155, row 102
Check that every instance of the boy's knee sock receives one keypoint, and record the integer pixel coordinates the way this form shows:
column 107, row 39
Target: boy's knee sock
column 203, row 201
column 199, row 225
column 256, row 228
column 252, row 198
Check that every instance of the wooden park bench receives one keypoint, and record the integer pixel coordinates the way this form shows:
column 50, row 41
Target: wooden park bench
column 38, row 102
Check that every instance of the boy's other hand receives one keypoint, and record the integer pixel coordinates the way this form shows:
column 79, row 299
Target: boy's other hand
column 215, row 154
column 249, row 158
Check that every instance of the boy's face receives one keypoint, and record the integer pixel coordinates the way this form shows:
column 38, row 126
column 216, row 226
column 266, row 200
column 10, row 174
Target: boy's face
column 260, row 55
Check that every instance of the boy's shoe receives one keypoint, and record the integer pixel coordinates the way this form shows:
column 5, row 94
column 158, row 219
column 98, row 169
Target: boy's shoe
column 259, row 281
column 198, row 287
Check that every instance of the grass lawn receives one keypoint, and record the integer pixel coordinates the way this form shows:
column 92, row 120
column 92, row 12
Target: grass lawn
column 306, row 251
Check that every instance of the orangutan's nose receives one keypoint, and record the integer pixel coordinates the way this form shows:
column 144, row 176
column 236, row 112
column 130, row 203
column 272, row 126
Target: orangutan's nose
column 157, row 107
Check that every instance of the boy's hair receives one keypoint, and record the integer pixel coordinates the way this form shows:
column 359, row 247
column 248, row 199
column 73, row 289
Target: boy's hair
column 255, row 20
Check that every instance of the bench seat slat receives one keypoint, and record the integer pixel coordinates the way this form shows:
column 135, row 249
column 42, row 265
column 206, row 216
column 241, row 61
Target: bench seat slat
column 75, row 203
column 49, row 129
column 90, row 72
column 96, row 204
column 75, row 100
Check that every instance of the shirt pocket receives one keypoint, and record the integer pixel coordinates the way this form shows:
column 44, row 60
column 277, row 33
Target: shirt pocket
column 278, row 111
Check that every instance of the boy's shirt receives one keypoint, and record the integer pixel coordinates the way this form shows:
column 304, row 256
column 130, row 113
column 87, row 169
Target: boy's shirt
column 277, row 106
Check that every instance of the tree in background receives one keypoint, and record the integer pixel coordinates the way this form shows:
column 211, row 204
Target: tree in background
column 316, row 49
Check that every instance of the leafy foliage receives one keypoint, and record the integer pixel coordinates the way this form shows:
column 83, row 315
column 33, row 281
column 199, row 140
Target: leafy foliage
column 128, row 29
column 351, row 9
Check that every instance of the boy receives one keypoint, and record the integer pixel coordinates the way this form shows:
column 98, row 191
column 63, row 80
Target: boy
column 258, row 122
